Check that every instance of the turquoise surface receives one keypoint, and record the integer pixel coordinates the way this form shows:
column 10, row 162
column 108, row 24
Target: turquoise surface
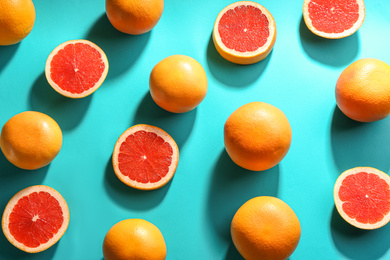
column 195, row 209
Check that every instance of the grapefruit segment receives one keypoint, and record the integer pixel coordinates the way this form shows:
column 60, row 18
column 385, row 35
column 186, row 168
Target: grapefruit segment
column 362, row 197
column 35, row 218
column 244, row 32
column 145, row 157
column 333, row 19
column 76, row 68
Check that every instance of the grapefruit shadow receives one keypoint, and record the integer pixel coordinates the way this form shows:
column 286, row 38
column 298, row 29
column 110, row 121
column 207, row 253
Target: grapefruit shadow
column 129, row 197
column 179, row 126
column 122, row 49
column 14, row 179
column 333, row 52
column 230, row 187
column 231, row 74
column 67, row 112
column 357, row 243
column 6, row 54
column 356, row 144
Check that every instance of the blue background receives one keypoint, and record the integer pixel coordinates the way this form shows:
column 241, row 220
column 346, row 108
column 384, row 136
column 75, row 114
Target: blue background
column 195, row 209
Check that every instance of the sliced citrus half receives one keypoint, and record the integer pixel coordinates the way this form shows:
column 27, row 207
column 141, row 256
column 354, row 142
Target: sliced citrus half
column 362, row 197
column 35, row 218
column 333, row 19
column 76, row 68
column 244, row 32
column 145, row 157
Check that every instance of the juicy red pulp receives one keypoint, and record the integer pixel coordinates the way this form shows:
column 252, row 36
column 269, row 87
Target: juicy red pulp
column 145, row 157
column 77, row 67
column 365, row 197
column 35, row 219
column 334, row 16
column 244, row 28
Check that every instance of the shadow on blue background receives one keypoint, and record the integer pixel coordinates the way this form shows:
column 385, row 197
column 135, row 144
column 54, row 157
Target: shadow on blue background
column 67, row 112
column 13, row 180
column 231, row 186
column 179, row 126
column 353, row 242
column 231, row 74
column 129, row 197
column 6, row 54
column 356, row 144
column 333, row 52
column 122, row 49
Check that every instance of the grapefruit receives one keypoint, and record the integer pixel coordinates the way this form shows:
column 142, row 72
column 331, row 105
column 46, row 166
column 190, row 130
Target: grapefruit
column 135, row 16
column 178, row 83
column 363, row 90
column 265, row 228
column 244, row 32
column 31, row 140
column 134, row 239
column 362, row 197
column 257, row 136
column 17, row 18
column 76, row 68
column 35, row 218
column 145, row 157
column 333, row 19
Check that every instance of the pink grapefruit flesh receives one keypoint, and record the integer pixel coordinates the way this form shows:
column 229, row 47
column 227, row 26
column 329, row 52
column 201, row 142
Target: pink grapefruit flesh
column 76, row 68
column 35, row 218
column 334, row 19
column 244, row 32
column 362, row 197
column 145, row 157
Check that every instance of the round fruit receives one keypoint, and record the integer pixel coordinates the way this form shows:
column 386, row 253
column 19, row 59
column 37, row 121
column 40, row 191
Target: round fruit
column 257, row 136
column 76, row 68
column 35, row 218
column 134, row 239
column 244, row 32
column 145, row 157
column 265, row 228
column 178, row 83
column 17, row 18
column 362, row 197
column 31, row 140
column 363, row 90
column 135, row 16
column 333, row 19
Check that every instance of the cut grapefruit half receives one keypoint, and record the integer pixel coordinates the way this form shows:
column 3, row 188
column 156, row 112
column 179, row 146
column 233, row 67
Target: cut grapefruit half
column 35, row 218
column 362, row 197
column 244, row 32
column 145, row 157
column 333, row 19
column 76, row 68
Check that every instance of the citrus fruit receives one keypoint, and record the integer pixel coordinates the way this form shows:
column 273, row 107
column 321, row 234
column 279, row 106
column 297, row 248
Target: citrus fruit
column 145, row 157
column 333, row 19
column 362, row 197
column 76, row 68
column 135, row 16
column 178, row 83
column 257, row 136
column 134, row 239
column 244, row 32
column 363, row 90
column 265, row 228
column 31, row 140
column 17, row 18
column 35, row 218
